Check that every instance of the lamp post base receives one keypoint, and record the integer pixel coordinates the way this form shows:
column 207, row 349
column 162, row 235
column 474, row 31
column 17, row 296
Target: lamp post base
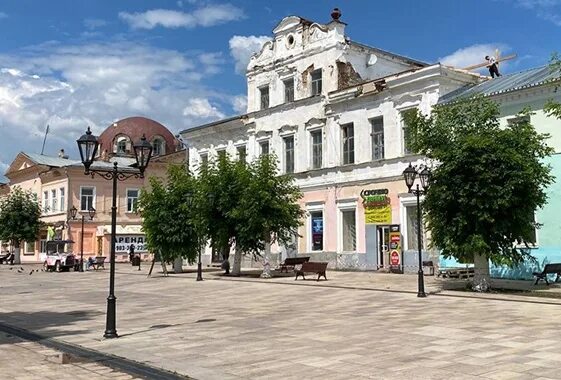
column 111, row 324
column 421, row 285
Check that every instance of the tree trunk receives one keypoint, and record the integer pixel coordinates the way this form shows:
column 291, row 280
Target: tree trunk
column 481, row 278
column 237, row 268
column 17, row 251
column 178, row 265
column 266, row 255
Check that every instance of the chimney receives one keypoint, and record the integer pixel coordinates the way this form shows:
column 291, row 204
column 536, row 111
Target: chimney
column 62, row 155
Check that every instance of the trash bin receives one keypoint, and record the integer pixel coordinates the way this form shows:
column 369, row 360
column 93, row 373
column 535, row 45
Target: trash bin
column 428, row 268
column 136, row 261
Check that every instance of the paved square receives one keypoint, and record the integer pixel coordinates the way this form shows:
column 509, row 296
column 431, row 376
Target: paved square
column 230, row 329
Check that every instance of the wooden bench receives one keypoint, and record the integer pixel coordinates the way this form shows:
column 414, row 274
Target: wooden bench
column 312, row 267
column 292, row 262
column 99, row 262
column 554, row 268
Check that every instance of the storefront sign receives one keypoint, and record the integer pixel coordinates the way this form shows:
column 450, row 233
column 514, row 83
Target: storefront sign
column 317, row 231
column 124, row 242
column 394, row 258
column 377, row 206
column 395, row 249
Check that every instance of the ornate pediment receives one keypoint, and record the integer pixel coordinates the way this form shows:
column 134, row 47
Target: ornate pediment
column 286, row 129
column 287, row 24
column 263, row 134
column 315, row 123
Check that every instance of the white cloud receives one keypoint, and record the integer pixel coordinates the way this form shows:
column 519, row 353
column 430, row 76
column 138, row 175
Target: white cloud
column 243, row 47
column 239, row 104
column 206, row 16
column 71, row 87
column 549, row 10
column 94, row 23
column 200, row 108
column 472, row 55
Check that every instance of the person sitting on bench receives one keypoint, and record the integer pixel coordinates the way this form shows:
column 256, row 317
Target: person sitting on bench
column 90, row 263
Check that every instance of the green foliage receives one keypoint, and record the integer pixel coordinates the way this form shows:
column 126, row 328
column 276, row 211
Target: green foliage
column 488, row 183
column 172, row 225
column 268, row 206
column 553, row 108
column 20, row 215
column 246, row 203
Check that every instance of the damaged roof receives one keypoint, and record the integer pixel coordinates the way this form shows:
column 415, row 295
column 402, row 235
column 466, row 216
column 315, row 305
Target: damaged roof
column 504, row 84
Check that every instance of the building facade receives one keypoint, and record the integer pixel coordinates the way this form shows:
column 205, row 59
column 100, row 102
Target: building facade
column 332, row 110
column 60, row 184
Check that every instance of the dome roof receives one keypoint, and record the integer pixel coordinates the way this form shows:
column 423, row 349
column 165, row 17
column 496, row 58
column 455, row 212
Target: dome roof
column 131, row 131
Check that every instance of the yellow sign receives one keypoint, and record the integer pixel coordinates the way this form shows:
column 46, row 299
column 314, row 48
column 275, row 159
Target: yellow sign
column 378, row 215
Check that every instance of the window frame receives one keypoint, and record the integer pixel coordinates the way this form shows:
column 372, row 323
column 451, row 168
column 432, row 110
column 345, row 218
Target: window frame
column 238, row 151
column 316, row 84
column 377, row 136
column 404, row 127
column 342, row 208
column 287, row 98
column 45, row 201
column 62, row 199
column 93, row 197
column 263, row 143
column 309, row 226
column 346, row 155
column 264, row 101
column 129, row 210
column 289, row 160
column 54, row 200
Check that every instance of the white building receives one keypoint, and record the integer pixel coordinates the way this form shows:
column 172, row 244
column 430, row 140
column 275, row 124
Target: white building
column 332, row 110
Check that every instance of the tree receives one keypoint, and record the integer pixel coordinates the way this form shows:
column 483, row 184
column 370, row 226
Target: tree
column 20, row 215
column 553, row 108
column 487, row 184
column 269, row 206
column 169, row 218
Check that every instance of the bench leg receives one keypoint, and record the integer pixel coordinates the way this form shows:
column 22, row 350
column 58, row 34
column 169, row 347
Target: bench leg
column 546, row 281
column 537, row 280
column 299, row 274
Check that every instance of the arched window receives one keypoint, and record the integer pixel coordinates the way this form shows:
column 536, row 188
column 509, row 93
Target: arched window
column 121, row 145
column 158, row 146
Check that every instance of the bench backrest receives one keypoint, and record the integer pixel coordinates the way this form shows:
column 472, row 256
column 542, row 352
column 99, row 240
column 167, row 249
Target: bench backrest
column 311, row 266
column 296, row 260
column 552, row 268
column 100, row 259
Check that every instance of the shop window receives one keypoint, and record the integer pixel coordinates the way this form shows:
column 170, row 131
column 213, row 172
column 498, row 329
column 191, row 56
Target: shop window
column 412, row 230
column 316, row 233
column 348, row 218
column 29, row 248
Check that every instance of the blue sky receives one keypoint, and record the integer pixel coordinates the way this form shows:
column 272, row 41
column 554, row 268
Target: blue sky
column 74, row 63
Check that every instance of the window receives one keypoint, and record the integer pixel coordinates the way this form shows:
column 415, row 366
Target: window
column 518, row 120
column 532, row 242
column 45, row 201
column 54, row 201
column 348, row 137
column 316, row 233
column 349, row 229
column 132, row 199
column 43, row 246
column 406, row 131
column 61, row 193
column 412, row 231
column 317, row 149
column 264, row 95
column 377, row 138
column 242, row 153
column 221, row 153
column 289, row 154
column 316, row 82
column 158, row 147
column 264, row 147
column 204, row 159
column 288, row 90
column 122, row 145
column 87, row 198
column 29, row 248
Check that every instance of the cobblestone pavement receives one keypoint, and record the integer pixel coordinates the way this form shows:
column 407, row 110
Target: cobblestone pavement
column 257, row 329
column 25, row 360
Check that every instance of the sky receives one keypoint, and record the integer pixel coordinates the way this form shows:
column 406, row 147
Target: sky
column 71, row 64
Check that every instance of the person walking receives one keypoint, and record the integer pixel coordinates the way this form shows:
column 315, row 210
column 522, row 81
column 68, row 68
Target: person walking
column 131, row 253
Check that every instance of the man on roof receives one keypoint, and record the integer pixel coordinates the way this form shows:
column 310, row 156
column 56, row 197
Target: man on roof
column 493, row 66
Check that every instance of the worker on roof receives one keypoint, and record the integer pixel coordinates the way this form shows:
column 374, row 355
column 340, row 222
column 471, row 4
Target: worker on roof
column 493, row 66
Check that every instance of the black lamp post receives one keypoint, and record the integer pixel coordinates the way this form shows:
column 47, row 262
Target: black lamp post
column 73, row 212
column 88, row 145
column 409, row 174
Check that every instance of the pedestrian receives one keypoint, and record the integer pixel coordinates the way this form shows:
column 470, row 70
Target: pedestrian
column 493, row 66
column 131, row 252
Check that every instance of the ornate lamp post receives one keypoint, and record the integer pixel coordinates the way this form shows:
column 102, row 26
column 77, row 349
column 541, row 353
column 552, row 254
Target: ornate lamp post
column 88, row 145
column 73, row 212
column 409, row 174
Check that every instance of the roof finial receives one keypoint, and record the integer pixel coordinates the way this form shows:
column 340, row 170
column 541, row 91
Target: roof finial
column 335, row 14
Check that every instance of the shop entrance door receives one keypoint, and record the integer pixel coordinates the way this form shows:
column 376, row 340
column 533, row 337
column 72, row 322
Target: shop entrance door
column 383, row 246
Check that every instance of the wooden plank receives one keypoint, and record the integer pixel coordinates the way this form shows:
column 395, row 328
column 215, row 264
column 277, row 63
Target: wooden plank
column 508, row 57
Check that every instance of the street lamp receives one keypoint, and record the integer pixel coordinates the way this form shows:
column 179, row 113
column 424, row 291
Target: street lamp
column 88, row 145
column 73, row 212
column 409, row 175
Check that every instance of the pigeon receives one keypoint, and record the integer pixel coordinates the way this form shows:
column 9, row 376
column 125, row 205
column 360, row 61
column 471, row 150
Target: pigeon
column 19, row 271
column 31, row 272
